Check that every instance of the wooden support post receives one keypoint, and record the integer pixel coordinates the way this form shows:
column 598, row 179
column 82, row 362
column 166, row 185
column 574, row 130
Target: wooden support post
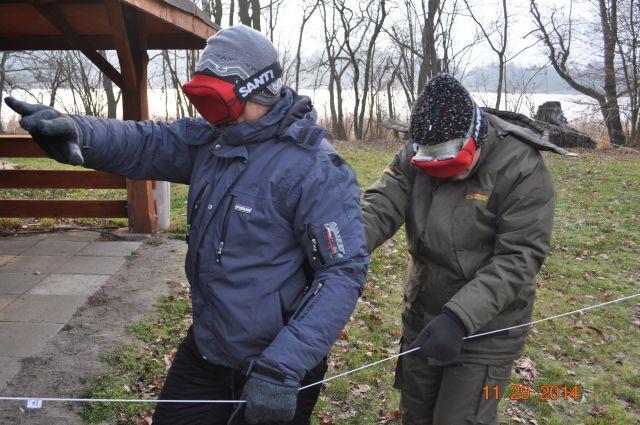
column 141, row 207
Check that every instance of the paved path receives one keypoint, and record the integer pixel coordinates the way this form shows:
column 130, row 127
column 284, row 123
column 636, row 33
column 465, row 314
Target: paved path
column 44, row 279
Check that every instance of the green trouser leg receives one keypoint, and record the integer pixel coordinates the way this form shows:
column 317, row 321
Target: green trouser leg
column 449, row 395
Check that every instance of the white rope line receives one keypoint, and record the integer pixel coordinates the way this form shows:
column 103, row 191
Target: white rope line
column 113, row 400
column 36, row 402
column 349, row 372
column 478, row 335
column 554, row 317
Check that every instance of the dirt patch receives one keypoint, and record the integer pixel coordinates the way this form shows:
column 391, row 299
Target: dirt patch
column 69, row 362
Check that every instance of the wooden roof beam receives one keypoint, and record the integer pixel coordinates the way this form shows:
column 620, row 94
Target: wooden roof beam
column 121, row 40
column 76, row 42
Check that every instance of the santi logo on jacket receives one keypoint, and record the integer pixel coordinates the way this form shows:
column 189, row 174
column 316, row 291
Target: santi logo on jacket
column 243, row 209
column 261, row 79
column 477, row 197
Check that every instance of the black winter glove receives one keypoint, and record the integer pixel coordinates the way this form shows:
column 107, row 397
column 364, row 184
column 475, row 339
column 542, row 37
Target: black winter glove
column 269, row 402
column 441, row 339
column 56, row 133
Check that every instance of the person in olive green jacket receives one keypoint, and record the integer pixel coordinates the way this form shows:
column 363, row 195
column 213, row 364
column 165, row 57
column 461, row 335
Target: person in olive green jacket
column 478, row 203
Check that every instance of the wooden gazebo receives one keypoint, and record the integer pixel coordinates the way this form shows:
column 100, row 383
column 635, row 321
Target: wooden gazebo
column 131, row 27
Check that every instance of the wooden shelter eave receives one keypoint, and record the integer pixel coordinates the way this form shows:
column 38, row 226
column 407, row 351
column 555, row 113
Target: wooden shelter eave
column 172, row 24
column 131, row 28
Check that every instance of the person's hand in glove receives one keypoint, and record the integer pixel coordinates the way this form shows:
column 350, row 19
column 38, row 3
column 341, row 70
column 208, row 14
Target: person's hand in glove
column 268, row 402
column 56, row 133
column 441, row 339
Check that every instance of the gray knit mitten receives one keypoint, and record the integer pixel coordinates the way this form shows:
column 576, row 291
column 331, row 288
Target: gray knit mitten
column 56, row 133
column 269, row 402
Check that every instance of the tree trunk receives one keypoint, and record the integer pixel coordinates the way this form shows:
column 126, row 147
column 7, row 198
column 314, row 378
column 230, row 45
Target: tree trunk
column 392, row 114
column 298, row 48
column 249, row 13
column 255, row 14
column 559, row 54
column 429, row 66
column 4, row 56
column 500, row 80
column 107, row 85
column 610, row 108
column 368, row 66
column 305, row 19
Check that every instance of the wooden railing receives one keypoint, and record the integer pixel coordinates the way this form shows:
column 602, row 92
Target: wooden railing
column 24, row 147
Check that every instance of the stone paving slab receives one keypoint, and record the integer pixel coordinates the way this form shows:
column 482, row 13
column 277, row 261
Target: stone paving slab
column 17, row 245
column 42, row 308
column 22, row 339
column 18, row 283
column 69, row 284
column 91, row 265
column 56, row 247
column 111, row 249
column 44, row 280
column 33, row 264
column 9, row 366
column 5, row 300
column 75, row 235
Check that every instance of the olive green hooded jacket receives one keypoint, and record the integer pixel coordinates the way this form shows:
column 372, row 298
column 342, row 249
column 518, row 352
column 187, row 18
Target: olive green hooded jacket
column 476, row 244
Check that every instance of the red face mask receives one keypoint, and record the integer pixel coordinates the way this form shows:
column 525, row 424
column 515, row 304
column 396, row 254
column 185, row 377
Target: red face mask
column 215, row 99
column 451, row 158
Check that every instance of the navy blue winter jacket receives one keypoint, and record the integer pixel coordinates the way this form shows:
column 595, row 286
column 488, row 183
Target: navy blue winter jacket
column 277, row 256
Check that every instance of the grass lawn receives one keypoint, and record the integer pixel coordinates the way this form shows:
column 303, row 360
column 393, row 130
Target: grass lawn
column 594, row 259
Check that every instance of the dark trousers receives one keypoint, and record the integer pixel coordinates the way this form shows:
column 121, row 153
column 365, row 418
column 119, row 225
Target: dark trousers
column 449, row 395
column 193, row 378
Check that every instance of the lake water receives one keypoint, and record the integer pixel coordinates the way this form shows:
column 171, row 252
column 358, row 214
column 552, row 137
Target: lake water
column 161, row 104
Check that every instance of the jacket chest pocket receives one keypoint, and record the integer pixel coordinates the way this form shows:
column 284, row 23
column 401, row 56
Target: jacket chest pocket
column 249, row 224
column 473, row 229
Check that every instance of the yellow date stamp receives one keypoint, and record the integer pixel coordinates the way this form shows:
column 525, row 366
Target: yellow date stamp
column 521, row 392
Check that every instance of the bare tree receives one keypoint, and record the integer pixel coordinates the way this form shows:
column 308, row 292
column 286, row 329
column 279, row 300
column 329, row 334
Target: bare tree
column 556, row 34
column 359, row 29
column 249, row 13
column 336, row 70
column 4, row 58
column 377, row 21
column 430, row 65
column 429, row 30
column 273, row 11
column 499, row 26
column 307, row 12
column 109, row 91
column 628, row 45
column 84, row 80
column 213, row 8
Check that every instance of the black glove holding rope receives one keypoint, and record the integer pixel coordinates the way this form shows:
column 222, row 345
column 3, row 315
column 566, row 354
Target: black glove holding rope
column 56, row 133
column 269, row 402
column 441, row 339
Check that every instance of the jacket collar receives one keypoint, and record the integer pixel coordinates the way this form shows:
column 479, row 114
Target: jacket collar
column 292, row 118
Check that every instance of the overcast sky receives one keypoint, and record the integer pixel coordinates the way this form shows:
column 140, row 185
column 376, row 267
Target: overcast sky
column 520, row 26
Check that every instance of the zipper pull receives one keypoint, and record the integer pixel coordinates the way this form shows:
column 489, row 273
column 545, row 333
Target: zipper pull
column 314, row 248
column 318, row 288
column 219, row 252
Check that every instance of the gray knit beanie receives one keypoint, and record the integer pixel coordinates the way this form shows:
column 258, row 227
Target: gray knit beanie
column 241, row 52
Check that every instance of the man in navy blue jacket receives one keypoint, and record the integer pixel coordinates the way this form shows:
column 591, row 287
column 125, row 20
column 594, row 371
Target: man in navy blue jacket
column 277, row 255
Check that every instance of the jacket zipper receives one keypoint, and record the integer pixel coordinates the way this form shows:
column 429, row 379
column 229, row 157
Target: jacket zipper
column 223, row 236
column 306, row 302
column 317, row 255
column 196, row 205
